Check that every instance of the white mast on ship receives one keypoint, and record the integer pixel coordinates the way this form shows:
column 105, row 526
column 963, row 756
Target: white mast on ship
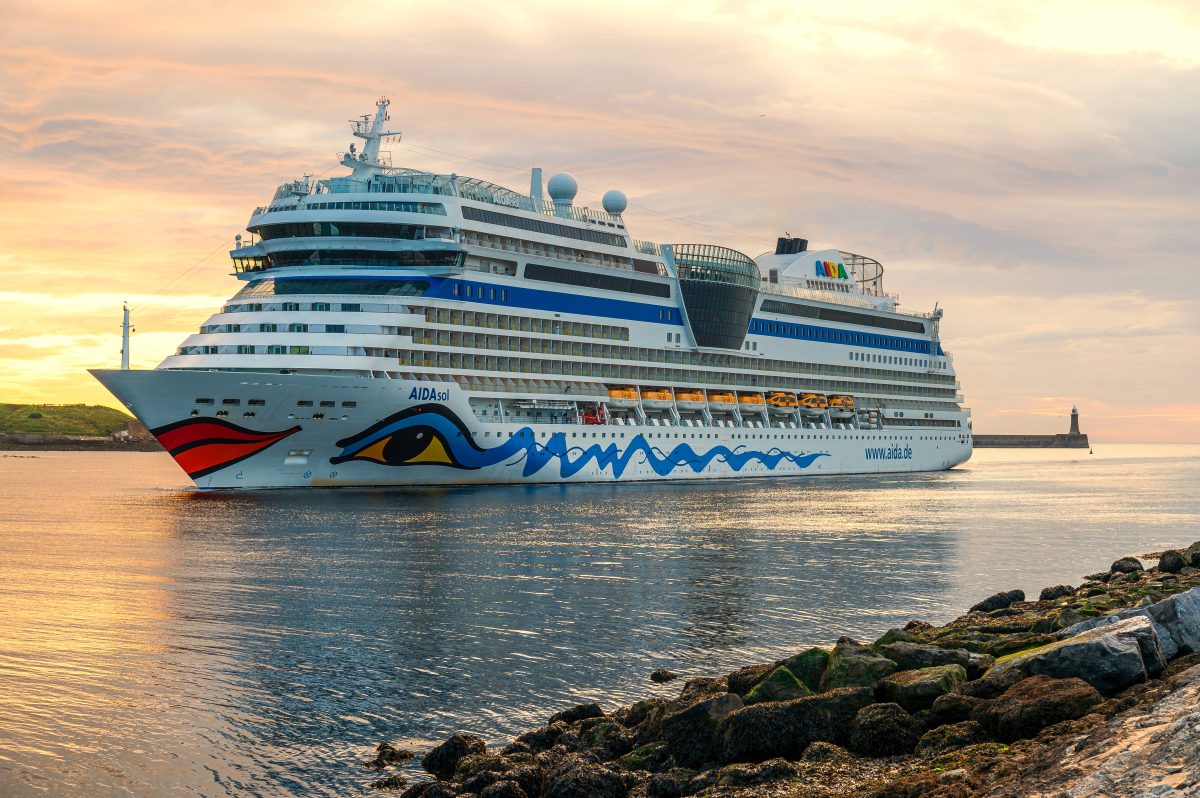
column 366, row 163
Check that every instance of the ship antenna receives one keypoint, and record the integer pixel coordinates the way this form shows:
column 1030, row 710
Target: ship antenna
column 368, row 162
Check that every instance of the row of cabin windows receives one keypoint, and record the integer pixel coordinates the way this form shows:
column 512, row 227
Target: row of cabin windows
column 805, row 332
column 912, row 362
column 344, row 307
column 262, row 328
column 504, row 321
column 621, row 372
column 566, row 348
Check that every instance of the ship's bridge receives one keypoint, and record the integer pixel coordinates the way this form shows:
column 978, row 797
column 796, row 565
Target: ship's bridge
column 719, row 287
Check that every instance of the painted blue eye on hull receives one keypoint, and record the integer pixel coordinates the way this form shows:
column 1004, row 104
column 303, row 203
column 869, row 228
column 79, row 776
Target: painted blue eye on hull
column 404, row 439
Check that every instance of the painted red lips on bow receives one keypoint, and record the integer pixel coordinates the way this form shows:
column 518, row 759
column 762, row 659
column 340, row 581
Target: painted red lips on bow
column 204, row 445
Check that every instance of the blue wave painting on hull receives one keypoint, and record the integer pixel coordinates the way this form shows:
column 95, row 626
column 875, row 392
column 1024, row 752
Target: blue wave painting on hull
column 430, row 434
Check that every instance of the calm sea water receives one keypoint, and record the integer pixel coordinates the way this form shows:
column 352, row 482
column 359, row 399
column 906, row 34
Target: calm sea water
column 159, row 640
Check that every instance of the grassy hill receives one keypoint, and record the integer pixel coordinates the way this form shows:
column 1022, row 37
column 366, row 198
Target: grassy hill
column 60, row 420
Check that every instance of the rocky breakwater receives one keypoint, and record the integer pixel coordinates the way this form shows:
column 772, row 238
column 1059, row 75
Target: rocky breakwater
column 1088, row 691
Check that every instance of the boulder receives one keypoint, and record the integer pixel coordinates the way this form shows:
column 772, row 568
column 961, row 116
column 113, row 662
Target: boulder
column 541, row 739
column 992, row 685
column 475, row 764
column 743, row 680
column 1192, row 553
column 701, row 688
column 443, row 760
column 607, row 740
column 807, row 666
column 1056, row 592
column 999, row 601
column 746, row 775
column 386, row 755
column 910, row 656
column 1176, row 620
column 1126, row 565
column 1110, row 658
column 576, row 776
column 503, row 789
column 651, row 756
column 529, row 776
column 917, row 690
column 577, row 713
column 821, row 751
column 784, row 728
column 1017, row 641
column 675, row 783
column 1172, row 561
column 895, row 636
column 951, row 737
column 884, row 730
column 692, row 734
column 662, row 676
column 1033, row 704
column 389, row 783
column 978, row 664
column 851, row 664
column 435, row 789
column 781, row 685
column 952, row 708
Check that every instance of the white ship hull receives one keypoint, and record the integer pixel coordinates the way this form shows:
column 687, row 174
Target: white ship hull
column 394, row 432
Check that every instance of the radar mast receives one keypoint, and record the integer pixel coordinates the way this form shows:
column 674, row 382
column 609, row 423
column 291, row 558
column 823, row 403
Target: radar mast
column 366, row 163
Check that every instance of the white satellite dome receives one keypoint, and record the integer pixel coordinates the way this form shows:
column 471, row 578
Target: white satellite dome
column 562, row 188
column 615, row 202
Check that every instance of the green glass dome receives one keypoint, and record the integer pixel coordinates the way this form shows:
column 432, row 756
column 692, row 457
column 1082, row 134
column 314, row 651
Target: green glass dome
column 713, row 264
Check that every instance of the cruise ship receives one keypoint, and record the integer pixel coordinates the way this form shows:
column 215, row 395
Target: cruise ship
column 400, row 327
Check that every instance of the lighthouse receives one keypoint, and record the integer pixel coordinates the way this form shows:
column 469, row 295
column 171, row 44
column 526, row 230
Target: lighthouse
column 1074, row 421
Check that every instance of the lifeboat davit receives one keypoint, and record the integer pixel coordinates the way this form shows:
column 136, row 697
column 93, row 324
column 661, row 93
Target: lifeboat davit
column 721, row 401
column 622, row 397
column 657, row 399
column 813, row 404
column 689, row 400
column 841, row 406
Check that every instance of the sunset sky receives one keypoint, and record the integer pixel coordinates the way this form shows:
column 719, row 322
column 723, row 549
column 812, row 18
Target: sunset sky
column 1034, row 167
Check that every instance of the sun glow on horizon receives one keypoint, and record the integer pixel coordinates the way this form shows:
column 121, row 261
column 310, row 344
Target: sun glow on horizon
column 1029, row 166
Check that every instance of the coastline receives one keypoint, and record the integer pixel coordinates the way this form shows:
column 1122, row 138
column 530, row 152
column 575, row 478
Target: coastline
column 76, row 443
column 1002, row 701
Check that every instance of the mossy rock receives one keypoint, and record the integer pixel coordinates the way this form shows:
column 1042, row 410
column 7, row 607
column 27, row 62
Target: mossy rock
column 651, row 756
column 894, row 636
column 807, row 666
column 781, row 685
column 851, row 664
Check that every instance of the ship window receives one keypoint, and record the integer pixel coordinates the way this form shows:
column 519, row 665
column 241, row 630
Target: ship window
column 540, row 226
column 604, row 282
column 204, row 401
column 335, row 328
column 328, row 403
column 257, row 402
column 276, row 350
column 349, row 404
column 298, row 350
column 304, row 403
column 297, row 327
column 377, row 286
column 320, row 306
column 245, row 349
column 268, row 328
column 351, row 307
column 291, row 305
column 231, row 401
